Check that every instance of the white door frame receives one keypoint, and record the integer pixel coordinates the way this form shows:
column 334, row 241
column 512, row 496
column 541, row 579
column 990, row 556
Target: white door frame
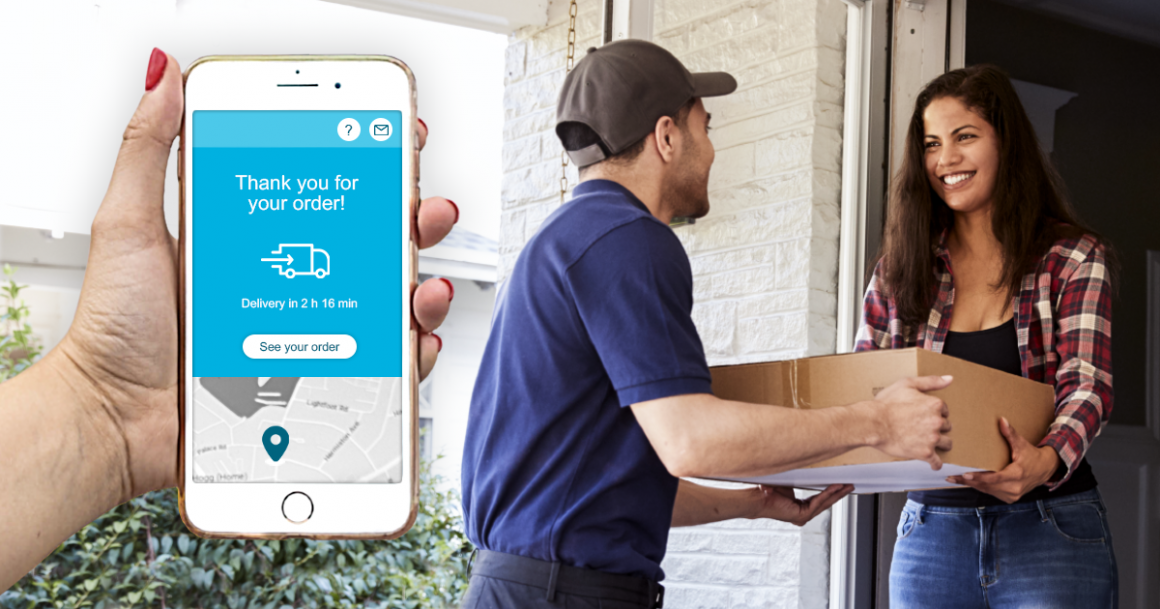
column 864, row 151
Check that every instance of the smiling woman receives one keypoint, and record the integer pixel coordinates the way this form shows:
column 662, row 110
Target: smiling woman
column 1029, row 294
column 969, row 148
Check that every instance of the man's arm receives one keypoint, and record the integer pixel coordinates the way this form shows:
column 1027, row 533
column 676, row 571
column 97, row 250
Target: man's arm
column 701, row 436
column 697, row 504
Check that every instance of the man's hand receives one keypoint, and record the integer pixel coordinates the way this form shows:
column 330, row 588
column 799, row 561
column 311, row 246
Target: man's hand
column 697, row 504
column 913, row 424
column 780, row 503
column 1031, row 466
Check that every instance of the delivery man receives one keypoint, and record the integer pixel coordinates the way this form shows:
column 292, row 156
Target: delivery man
column 594, row 395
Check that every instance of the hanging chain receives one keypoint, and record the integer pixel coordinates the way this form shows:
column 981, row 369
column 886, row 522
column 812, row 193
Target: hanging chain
column 568, row 68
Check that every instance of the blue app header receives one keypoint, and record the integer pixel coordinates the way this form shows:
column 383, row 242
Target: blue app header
column 297, row 244
column 296, row 129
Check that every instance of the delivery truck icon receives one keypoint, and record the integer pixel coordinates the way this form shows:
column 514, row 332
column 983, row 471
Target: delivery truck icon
column 300, row 260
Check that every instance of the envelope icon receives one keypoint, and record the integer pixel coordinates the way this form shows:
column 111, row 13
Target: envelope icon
column 383, row 130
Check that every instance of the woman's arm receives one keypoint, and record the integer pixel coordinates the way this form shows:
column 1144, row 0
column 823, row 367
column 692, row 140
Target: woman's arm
column 1083, row 381
column 874, row 331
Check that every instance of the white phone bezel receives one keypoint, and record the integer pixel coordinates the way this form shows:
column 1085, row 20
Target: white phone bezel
column 341, row 510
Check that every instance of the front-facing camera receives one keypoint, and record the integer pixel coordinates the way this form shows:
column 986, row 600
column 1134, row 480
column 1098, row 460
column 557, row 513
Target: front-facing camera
column 337, row 85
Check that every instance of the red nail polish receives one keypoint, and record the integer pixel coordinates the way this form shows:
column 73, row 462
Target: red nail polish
column 424, row 125
column 156, row 70
column 440, row 348
column 450, row 287
column 456, row 221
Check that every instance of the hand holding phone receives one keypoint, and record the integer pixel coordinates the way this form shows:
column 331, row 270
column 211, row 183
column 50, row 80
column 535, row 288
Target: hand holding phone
column 104, row 425
column 298, row 359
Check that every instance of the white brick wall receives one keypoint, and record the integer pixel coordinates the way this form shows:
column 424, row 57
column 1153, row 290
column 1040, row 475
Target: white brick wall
column 765, row 258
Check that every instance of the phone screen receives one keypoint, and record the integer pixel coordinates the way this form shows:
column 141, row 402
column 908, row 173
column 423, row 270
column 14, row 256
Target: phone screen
column 297, row 270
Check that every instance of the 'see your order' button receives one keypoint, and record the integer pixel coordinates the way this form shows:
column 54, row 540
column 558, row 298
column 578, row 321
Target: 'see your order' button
column 299, row 346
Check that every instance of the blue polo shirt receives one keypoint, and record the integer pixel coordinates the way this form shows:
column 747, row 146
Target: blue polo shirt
column 595, row 317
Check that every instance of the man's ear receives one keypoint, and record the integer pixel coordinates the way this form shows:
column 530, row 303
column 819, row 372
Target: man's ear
column 665, row 132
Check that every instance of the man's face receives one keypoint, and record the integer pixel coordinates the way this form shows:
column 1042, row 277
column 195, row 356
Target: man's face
column 688, row 183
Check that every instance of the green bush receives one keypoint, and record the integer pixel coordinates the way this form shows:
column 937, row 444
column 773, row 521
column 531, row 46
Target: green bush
column 141, row 555
column 18, row 346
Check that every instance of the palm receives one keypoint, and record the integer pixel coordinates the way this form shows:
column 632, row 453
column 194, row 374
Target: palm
column 780, row 503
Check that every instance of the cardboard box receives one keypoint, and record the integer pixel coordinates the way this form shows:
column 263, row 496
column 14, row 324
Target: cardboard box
column 976, row 399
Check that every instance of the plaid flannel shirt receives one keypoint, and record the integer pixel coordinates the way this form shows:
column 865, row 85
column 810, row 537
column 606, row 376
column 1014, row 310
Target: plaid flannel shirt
column 1063, row 318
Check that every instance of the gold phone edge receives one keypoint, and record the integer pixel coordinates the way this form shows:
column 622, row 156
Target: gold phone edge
column 413, row 511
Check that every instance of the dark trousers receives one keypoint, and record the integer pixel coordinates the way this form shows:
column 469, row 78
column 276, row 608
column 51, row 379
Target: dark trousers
column 506, row 581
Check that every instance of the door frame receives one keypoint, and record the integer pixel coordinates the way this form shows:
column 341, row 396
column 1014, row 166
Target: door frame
column 865, row 149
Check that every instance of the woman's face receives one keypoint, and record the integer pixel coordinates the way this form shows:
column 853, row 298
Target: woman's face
column 961, row 155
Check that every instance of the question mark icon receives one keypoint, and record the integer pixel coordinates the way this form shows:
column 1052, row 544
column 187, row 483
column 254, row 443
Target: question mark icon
column 349, row 129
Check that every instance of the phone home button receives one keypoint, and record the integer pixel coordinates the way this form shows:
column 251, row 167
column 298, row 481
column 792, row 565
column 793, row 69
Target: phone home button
column 297, row 507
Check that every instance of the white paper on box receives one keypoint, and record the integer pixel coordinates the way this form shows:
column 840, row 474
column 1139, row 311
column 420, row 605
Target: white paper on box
column 889, row 477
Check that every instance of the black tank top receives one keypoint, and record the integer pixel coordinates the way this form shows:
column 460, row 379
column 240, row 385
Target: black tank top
column 997, row 348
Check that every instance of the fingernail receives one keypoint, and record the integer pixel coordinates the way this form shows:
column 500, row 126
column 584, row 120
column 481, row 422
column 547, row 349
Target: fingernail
column 440, row 348
column 456, row 211
column 156, row 70
column 968, row 476
column 947, row 377
column 424, row 125
column 450, row 288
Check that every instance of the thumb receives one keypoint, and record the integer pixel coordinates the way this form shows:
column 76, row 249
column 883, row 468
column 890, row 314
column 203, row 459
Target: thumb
column 138, row 185
column 1013, row 437
column 931, row 383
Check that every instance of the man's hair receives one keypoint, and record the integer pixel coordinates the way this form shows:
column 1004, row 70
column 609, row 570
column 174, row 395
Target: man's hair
column 575, row 136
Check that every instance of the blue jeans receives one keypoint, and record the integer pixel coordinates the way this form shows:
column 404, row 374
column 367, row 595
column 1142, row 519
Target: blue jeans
column 1054, row 553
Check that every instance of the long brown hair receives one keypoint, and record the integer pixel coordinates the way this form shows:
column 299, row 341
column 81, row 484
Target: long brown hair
column 1030, row 211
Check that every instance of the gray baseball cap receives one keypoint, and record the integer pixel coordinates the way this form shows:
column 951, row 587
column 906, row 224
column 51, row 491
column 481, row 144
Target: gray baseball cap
column 621, row 89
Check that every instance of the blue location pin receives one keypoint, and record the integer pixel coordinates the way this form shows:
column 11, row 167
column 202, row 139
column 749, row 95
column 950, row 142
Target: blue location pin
column 275, row 440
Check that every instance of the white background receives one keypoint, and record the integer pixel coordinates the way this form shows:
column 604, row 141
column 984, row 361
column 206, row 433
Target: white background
column 72, row 71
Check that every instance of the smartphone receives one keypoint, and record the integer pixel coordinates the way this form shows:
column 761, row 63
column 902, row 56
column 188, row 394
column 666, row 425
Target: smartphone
column 298, row 397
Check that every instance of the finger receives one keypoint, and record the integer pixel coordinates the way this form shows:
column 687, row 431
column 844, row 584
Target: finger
column 822, row 501
column 779, row 491
column 1010, row 433
column 826, row 493
column 935, row 462
column 422, row 131
column 930, row 383
column 955, row 479
column 1014, row 440
column 975, row 484
column 429, row 346
column 946, row 426
column 137, row 188
column 430, row 303
column 436, row 217
column 944, row 442
column 985, row 478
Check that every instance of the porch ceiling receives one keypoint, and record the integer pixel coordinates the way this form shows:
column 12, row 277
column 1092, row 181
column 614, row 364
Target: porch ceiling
column 1135, row 19
column 502, row 16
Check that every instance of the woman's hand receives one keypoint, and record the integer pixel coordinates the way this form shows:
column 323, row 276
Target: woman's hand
column 94, row 423
column 1031, row 466
column 780, row 503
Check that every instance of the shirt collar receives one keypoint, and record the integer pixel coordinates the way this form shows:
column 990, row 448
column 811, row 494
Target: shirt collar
column 607, row 187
